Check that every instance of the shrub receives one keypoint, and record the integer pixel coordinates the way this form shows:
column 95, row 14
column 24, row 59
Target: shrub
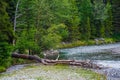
column 27, row 42
column 109, row 40
column 2, row 69
column 91, row 42
column 51, row 40
column 60, row 30
column 5, row 50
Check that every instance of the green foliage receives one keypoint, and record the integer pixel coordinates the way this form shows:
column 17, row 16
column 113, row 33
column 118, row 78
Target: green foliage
column 27, row 42
column 103, row 19
column 54, row 35
column 64, row 20
column 11, row 9
column 51, row 40
column 73, row 44
column 16, row 61
column 2, row 69
column 116, row 37
column 51, row 12
column 44, row 24
column 100, row 10
column 6, row 36
column 85, row 15
column 5, row 56
column 6, row 33
column 88, row 29
column 108, row 22
column 60, row 30
column 25, row 16
column 102, row 30
column 109, row 40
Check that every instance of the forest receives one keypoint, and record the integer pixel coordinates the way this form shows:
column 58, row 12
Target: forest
column 33, row 26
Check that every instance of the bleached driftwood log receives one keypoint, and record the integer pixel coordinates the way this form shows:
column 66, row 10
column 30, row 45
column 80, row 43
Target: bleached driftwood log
column 85, row 64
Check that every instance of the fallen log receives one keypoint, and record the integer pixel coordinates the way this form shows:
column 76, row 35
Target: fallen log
column 85, row 64
column 29, row 57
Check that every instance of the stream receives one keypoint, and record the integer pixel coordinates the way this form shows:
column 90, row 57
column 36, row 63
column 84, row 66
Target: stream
column 107, row 56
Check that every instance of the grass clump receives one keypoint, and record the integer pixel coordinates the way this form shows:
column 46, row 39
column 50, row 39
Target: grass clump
column 87, row 42
column 2, row 69
column 90, row 75
column 55, row 72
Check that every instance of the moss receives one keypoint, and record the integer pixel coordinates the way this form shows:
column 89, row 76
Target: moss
column 2, row 69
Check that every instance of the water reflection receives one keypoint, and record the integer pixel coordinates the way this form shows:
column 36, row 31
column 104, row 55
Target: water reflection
column 100, row 52
column 91, row 56
column 101, row 55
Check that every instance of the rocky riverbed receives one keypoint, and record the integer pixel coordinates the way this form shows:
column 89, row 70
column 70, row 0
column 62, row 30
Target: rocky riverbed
column 111, row 69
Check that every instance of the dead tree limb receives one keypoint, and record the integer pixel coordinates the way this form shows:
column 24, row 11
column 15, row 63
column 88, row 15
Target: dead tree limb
column 85, row 64
column 29, row 57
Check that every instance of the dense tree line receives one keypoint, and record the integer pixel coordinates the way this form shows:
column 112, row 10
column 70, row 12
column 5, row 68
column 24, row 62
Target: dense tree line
column 36, row 25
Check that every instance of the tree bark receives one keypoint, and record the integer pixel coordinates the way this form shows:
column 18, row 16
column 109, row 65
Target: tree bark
column 85, row 64
column 15, row 19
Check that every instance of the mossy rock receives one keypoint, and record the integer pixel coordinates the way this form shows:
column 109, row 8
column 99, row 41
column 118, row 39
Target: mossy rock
column 2, row 69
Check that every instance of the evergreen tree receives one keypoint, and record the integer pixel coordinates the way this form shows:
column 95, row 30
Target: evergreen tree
column 100, row 15
column 73, row 22
column 11, row 9
column 116, row 16
column 6, row 35
column 109, row 21
column 88, row 29
column 25, row 14
column 85, row 11
column 102, row 30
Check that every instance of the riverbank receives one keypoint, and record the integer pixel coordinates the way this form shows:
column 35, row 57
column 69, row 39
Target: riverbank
column 85, row 43
column 57, row 72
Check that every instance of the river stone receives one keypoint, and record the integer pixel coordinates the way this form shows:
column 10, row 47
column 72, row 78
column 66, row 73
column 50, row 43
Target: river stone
column 115, row 50
column 113, row 74
column 51, row 54
column 14, row 68
column 111, row 78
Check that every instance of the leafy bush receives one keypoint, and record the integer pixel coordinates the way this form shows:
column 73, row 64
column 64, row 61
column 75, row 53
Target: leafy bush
column 16, row 61
column 2, row 69
column 60, row 30
column 109, row 40
column 72, row 44
column 116, row 37
column 54, row 35
column 5, row 50
column 50, row 40
column 90, row 42
column 26, row 42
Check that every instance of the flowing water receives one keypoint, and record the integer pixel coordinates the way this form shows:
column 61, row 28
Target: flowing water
column 103, row 55
column 100, row 54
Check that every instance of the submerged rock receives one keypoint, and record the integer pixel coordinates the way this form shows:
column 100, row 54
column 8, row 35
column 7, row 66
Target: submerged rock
column 115, row 73
column 115, row 50
column 51, row 54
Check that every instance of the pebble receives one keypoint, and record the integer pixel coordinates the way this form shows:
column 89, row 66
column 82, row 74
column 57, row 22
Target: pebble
column 38, row 72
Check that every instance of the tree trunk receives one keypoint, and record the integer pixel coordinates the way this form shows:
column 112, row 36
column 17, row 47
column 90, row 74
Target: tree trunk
column 85, row 64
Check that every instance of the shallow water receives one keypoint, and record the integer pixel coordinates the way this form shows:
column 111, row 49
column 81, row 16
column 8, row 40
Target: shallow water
column 95, row 52
column 100, row 54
